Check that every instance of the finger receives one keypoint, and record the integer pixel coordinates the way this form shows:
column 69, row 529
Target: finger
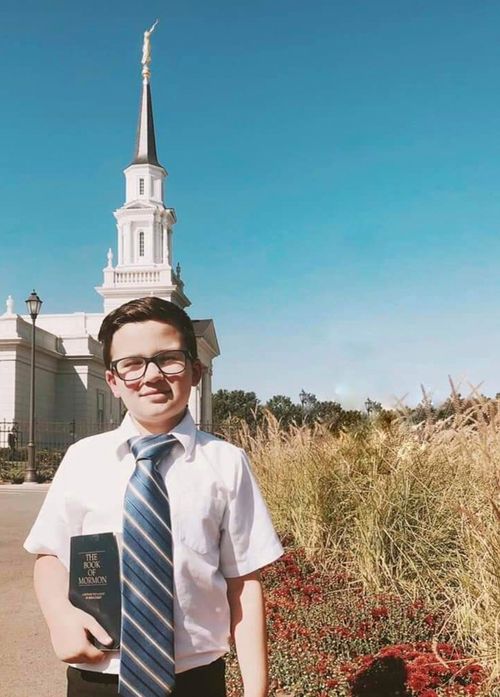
column 94, row 655
column 93, row 626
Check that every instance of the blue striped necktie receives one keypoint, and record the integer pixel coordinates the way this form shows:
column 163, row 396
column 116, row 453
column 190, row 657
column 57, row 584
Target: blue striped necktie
column 147, row 661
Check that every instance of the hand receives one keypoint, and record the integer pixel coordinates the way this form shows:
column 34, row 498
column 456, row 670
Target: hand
column 70, row 636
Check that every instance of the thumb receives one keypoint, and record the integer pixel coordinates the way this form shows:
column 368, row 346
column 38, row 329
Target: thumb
column 97, row 630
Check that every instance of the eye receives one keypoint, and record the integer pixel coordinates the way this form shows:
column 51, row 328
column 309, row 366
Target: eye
column 170, row 358
column 130, row 363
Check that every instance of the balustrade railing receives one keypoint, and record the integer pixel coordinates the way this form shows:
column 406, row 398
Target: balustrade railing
column 127, row 277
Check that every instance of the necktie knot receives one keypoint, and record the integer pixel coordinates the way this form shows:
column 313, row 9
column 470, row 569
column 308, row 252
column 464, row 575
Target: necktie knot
column 153, row 447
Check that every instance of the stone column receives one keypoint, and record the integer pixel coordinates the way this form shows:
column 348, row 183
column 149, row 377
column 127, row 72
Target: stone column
column 194, row 404
column 206, row 398
column 120, row 245
column 130, row 244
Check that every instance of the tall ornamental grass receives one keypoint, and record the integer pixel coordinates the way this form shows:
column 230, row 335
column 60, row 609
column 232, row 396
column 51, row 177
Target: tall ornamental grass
column 412, row 510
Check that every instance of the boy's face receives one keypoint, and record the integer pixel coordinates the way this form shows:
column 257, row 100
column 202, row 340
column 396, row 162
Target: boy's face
column 156, row 401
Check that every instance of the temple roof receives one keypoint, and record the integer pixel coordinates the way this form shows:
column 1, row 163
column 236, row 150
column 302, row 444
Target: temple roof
column 145, row 145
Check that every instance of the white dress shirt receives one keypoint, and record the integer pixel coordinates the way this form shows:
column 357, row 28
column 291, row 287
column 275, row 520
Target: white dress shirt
column 221, row 527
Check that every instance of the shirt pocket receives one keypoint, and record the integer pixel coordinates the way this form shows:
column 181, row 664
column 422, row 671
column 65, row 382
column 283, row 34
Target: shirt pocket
column 199, row 519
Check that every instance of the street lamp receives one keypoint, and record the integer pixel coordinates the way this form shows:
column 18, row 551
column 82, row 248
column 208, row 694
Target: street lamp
column 303, row 397
column 33, row 303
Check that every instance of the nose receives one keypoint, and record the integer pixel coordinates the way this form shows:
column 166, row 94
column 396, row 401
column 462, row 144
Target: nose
column 152, row 372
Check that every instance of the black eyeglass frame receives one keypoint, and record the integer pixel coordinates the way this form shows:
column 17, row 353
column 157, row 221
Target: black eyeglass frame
column 151, row 359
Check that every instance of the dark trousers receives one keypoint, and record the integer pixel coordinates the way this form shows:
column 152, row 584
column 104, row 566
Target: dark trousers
column 205, row 681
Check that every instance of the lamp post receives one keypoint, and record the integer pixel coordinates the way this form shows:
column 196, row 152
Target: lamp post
column 33, row 303
column 303, row 398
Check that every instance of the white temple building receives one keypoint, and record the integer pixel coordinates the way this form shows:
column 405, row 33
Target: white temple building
column 70, row 385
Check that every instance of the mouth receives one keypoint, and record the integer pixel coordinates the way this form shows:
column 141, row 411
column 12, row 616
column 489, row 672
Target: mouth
column 156, row 393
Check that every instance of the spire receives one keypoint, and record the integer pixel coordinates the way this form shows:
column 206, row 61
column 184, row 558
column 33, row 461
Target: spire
column 145, row 146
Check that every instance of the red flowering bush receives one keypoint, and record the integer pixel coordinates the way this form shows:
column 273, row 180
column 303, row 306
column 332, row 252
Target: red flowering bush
column 327, row 638
column 430, row 669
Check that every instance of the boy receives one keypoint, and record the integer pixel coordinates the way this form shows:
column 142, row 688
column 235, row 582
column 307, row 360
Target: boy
column 221, row 533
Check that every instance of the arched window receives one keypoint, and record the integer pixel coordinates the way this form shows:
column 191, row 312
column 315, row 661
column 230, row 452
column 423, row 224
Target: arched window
column 141, row 244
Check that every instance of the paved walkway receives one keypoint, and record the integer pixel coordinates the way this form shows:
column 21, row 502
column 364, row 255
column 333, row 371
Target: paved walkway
column 28, row 665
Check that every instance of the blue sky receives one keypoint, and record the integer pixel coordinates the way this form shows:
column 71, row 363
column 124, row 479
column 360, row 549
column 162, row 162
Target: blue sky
column 334, row 166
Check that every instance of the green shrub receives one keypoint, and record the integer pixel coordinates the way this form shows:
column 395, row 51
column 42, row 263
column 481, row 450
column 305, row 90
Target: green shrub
column 13, row 470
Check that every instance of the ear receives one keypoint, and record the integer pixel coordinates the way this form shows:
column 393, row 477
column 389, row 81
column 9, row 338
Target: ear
column 196, row 371
column 111, row 380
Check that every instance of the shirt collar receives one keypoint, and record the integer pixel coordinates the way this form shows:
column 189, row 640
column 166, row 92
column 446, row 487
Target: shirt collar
column 185, row 432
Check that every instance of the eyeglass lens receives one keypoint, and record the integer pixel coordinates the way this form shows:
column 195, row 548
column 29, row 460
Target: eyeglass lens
column 134, row 367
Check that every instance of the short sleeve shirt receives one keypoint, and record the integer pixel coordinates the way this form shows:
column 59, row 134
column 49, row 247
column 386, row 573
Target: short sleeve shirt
column 221, row 527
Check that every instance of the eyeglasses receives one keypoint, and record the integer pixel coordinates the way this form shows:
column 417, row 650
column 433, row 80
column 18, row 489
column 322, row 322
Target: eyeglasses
column 134, row 367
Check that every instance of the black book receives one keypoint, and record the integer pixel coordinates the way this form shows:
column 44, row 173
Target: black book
column 94, row 582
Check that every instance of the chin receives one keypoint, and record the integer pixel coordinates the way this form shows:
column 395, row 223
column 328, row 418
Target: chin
column 165, row 412
column 159, row 413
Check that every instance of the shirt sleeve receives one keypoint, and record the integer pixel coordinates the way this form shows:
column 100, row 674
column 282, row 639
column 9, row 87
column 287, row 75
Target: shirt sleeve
column 58, row 518
column 248, row 539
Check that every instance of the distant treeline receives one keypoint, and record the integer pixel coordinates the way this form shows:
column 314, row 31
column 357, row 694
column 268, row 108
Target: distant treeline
column 233, row 406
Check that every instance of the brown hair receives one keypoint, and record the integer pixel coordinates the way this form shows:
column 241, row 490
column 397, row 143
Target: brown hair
column 142, row 310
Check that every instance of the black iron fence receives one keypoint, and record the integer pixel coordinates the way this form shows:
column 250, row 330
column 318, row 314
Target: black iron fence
column 52, row 438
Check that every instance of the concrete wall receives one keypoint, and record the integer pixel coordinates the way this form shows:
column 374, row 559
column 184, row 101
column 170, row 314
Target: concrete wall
column 71, row 392
column 45, row 385
column 74, row 324
column 7, row 385
column 97, row 385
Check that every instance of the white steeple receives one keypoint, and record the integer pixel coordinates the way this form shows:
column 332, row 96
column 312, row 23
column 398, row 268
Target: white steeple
column 144, row 224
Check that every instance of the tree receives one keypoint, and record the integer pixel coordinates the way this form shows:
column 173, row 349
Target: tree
column 233, row 404
column 308, row 400
column 372, row 407
column 326, row 412
column 329, row 413
column 284, row 410
column 352, row 420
